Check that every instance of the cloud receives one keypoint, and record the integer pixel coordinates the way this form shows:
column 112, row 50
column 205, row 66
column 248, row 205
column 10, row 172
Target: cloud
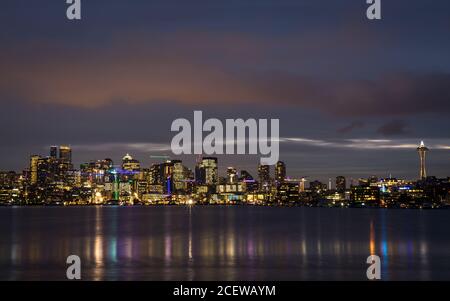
column 201, row 68
column 138, row 146
column 368, row 144
column 351, row 127
column 356, row 144
column 394, row 128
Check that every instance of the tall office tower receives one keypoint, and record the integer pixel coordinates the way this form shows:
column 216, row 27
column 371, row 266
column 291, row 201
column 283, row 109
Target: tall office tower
column 188, row 174
column 167, row 176
column 248, row 181
column 168, row 167
column 144, row 174
column 302, row 185
column 341, row 184
column 156, row 174
column 231, row 175
column 34, row 162
column 211, row 174
column 98, row 170
column 45, row 171
column 422, row 150
column 179, row 183
column 54, row 152
column 206, row 172
column 130, row 164
column 189, row 179
column 199, row 174
column 264, row 177
column 280, row 172
column 105, row 164
column 65, row 153
column 317, row 187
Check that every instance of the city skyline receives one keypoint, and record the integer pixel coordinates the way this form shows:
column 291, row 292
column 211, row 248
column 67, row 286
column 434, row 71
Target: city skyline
column 53, row 179
column 190, row 160
column 421, row 148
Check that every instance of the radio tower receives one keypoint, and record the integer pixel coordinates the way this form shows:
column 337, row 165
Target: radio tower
column 422, row 150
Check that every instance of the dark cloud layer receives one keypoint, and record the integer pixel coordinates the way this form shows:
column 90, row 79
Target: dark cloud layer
column 199, row 53
column 351, row 127
column 135, row 73
column 394, row 128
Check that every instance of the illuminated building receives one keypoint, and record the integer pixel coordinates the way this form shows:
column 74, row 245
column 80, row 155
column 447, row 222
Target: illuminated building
column 54, row 152
column 206, row 180
column 249, row 183
column 365, row 196
column 211, row 172
column 230, row 188
column 336, row 199
column 10, row 188
column 96, row 171
column 317, row 187
column 155, row 189
column 341, row 184
column 199, row 174
column 256, row 198
column 144, row 174
column 231, row 175
column 188, row 178
column 302, row 185
column 411, row 197
column 105, row 164
column 141, row 188
column 422, row 150
column 46, row 172
column 73, row 178
column 156, row 174
column 9, row 195
column 371, row 181
column 206, row 171
column 65, row 159
column 288, row 192
column 34, row 161
column 167, row 168
column 125, row 191
column 65, row 153
column 264, row 177
column 178, row 176
column 280, row 172
column 130, row 164
column 8, row 178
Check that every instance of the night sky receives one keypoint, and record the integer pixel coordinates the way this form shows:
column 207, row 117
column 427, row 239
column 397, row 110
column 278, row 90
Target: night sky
column 353, row 96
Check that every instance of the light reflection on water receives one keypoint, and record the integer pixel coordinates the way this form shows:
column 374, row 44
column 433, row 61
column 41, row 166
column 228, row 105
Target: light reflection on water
column 223, row 243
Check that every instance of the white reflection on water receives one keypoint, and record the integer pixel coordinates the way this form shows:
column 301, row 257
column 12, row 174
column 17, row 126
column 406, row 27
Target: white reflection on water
column 98, row 245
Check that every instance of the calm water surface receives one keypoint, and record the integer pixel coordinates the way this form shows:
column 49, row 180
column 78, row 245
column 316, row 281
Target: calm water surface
column 223, row 243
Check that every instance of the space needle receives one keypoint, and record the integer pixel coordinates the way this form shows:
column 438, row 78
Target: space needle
column 422, row 150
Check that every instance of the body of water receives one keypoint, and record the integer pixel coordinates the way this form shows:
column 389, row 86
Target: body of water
column 223, row 243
